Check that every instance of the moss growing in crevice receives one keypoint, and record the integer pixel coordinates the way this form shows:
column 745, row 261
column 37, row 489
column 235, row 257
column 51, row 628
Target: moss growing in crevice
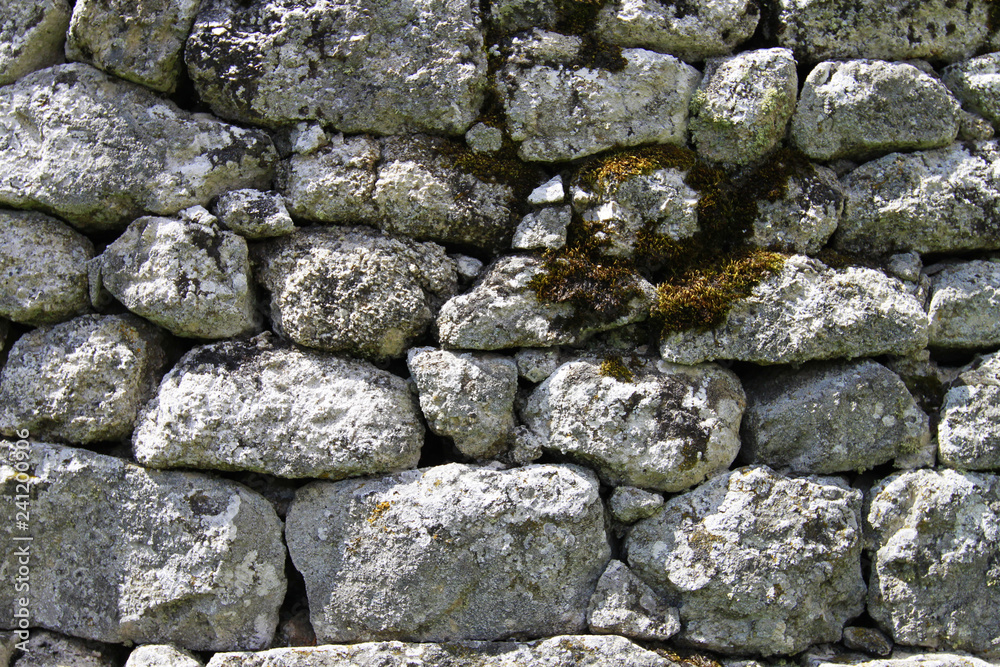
column 614, row 367
column 596, row 288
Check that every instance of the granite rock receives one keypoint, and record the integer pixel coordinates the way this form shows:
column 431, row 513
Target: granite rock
column 253, row 214
column 976, row 82
column 800, row 539
column 32, row 33
column 450, row 552
column 100, row 152
column 969, row 432
column 964, row 310
column 266, row 406
column 82, row 381
column 624, row 605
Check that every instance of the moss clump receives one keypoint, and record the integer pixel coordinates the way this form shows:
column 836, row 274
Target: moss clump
column 604, row 174
column 598, row 288
column 614, row 367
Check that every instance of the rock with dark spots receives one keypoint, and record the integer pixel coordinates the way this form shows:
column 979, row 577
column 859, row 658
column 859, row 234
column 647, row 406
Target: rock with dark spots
column 894, row 30
column 354, row 290
column 809, row 311
column 51, row 649
column 503, row 311
column 862, row 108
column 565, row 651
column 629, row 504
column 449, row 553
column 140, row 42
column 757, row 563
column 944, row 200
column 805, row 217
column 534, row 365
column 560, row 110
column 624, row 605
column 254, row 214
column 964, row 308
column 334, row 183
column 43, row 269
column 657, row 425
column 99, row 152
column 969, row 432
column 187, row 275
column 81, row 381
column 266, row 406
column 543, row 229
column 468, row 397
column 122, row 554
column 830, row 417
column 976, row 82
column 389, row 69
column 869, row 640
column 32, row 33
column 162, row 655
column 691, row 31
column 935, row 581
column 741, row 110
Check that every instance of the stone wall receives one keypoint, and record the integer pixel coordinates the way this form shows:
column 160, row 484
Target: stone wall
column 514, row 332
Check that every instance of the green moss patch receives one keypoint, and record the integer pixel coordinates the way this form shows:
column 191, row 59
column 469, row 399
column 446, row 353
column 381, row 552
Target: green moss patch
column 614, row 367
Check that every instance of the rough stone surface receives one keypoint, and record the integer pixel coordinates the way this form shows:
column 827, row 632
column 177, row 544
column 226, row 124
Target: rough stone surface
column 468, row 397
column 266, row 406
column 125, row 554
column 534, row 365
column 565, row 651
column 629, row 504
column 450, row 552
column 32, row 33
column 99, row 152
column 809, row 311
column 162, row 655
column 805, row 218
column 138, row 42
column 976, row 82
column 544, row 229
column 352, row 289
column 741, row 110
column 484, row 138
column 402, row 66
column 964, row 308
column 51, row 649
column 548, row 193
column 869, row 640
column 893, row 30
column 189, row 276
column 691, row 31
column 81, row 381
column 830, row 417
column 503, row 311
column 801, row 539
column 254, row 214
column 969, row 432
column 905, row 659
column 944, row 200
column 935, row 579
column 43, row 269
column 559, row 111
column 668, row 427
column 624, row 605
column 862, row 108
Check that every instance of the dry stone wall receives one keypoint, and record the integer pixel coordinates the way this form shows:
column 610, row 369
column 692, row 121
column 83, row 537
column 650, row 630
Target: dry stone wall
column 515, row 332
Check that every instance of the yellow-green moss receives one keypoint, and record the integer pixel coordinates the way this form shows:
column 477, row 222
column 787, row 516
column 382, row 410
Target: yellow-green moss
column 594, row 287
column 602, row 175
column 614, row 367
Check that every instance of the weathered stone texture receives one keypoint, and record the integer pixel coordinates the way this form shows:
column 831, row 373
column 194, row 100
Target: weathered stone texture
column 624, row 605
column 804, row 218
column 976, row 82
column 32, row 33
column 162, row 655
column 969, row 432
column 253, row 214
column 964, row 308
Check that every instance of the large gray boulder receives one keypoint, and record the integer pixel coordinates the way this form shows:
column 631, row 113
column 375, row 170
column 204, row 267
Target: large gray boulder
column 504, row 311
column 352, row 289
column 809, row 311
column 81, row 381
column 266, row 406
column 387, row 69
column 736, row 123
column 124, row 554
column 944, row 200
column 559, row 110
column 139, row 42
column 860, row 108
column 565, row 651
column 691, row 31
column 32, row 33
column 830, row 417
column 99, row 152
column 934, row 545
column 976, row 82
column 758, row 563
column 666, row 427
column 969, row 432
column 43, row 269
column 468, row 397
column 964, row 308
column 450, row 552
column 894, row 30
column 187, row 275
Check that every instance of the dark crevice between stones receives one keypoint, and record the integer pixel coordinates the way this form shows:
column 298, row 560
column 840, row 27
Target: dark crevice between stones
column 186, row 96
column 294, row 626
column 765, row 35
column 437, row 451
